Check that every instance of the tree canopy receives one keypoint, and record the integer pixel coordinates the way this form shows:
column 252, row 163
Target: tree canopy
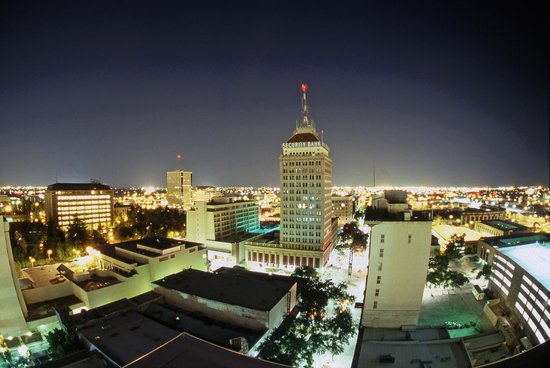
column 324, row 323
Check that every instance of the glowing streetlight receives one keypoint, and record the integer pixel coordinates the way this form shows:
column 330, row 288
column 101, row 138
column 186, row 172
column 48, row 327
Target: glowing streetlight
column 49, row 252
column 32, row 261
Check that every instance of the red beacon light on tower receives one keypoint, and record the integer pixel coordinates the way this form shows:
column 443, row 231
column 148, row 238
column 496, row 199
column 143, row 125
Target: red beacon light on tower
column 304, row 87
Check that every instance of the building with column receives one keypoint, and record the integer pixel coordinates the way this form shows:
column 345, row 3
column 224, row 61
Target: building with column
column 399, row 252
column 308, row 230
column 91, row 203
column 179, row 188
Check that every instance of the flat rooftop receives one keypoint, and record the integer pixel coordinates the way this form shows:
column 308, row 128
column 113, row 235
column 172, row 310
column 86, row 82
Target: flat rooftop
column 504, row 225
column 254, row 293
column 157, row 242
column 412, row 353
column 383, row 215
column 213, row 331
column 127, row 336
column 395, row 334
column 197, row 353
column 517, row 239
column 46, row 308
column 534, row 258
column 237, row 238
column 447, row 231
column 43, row 276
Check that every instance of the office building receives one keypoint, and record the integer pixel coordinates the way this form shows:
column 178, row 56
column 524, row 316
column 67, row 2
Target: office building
column 520, row 279
column 343, row 207
column 399, row 252
column 179, row 188
column 307, row 230
column 91, row 203
column 221, row 218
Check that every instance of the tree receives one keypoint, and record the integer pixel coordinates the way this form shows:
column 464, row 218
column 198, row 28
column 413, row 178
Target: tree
column 485, row 272
column 98, row 238
column 77, row 232
column 351, row 237
column 455, row 247
column 440, row 275
column 61, row 343
column 316, row 329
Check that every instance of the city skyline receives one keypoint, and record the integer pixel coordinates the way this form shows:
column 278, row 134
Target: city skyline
column 430, row 94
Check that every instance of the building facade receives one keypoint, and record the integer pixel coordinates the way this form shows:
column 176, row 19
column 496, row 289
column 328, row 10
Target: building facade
column 14, row 310
column 343, row 208
column 179, row 188
column 306, row 184
column 399, row 254
column 221, row 218
column 91, row 203
column 520, row 278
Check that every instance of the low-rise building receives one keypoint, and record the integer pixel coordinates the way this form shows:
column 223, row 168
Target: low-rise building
column 258, row 303
column 112, row 272
column 469, row 215
column 498, row 227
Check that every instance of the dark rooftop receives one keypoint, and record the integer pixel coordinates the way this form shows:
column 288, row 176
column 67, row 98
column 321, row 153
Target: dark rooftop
column 303, row 137
column 213, row 331
column 372, row 214
column 197, row 353
column 78, row 186
column 46, row 308
column 504, row 225
column 231, row 288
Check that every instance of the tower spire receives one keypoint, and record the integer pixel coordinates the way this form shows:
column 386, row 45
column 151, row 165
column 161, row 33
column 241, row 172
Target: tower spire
column 306, row 120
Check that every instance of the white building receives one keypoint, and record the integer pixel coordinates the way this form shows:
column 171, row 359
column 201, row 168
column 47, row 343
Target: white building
column 221, row 218
column 221, row 225
column 115, row 271
column 178, row 188
column 91, row 203
column 520, row 279
column 14, row 310
column 399, row 253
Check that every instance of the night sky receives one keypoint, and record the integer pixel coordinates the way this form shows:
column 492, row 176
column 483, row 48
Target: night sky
column 430, row 92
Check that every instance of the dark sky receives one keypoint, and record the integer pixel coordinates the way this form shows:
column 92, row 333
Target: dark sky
column 429, row 92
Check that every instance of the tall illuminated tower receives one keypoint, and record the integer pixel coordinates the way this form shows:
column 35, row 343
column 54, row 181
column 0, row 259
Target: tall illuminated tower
column 178, row 188
column 307, row 228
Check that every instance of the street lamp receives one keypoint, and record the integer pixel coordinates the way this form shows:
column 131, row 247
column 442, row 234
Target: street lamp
column 49, row 252
column 32, row 261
